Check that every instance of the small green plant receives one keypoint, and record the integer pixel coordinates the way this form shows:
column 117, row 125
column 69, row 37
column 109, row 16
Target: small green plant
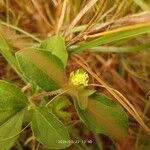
column 52, row 91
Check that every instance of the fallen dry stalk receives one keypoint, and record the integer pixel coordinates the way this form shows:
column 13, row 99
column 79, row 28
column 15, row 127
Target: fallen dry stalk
column 105, row 27
column 80, row 15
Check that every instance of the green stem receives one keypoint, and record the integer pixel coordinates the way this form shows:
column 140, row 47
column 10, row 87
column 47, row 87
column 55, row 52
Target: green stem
column 98, row 141
column 20, row 30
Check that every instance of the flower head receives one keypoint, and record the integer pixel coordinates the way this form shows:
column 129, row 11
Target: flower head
column 79, row 78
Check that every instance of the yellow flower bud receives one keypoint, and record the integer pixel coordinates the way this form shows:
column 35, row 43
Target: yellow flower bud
column 79, row 78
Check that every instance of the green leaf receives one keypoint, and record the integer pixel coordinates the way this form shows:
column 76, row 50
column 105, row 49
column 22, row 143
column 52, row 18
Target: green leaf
column 103, row 115
column 113, row 49
column 12, row 103
column 12, row 100
column 49, row 130
column 56, row 45
column 9, row 131
column 59, row 107
column 41, row 67
column 114, row 35
column 82, row 97
column 7, row 53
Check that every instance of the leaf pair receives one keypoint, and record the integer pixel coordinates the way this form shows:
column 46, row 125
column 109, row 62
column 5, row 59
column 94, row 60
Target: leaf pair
column 45, row 68
column 46, row 127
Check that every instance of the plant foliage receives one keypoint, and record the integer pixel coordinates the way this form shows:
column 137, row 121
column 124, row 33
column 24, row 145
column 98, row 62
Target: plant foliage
column 45, row 67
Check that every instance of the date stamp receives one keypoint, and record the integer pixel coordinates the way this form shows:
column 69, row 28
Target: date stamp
column 76, row 141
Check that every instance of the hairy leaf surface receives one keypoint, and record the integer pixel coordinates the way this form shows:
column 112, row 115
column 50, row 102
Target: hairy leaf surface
column 12, row 105
column 56, row 45
column 10, row 130
column 49, row 130
column 41, row 67
column 103, row 115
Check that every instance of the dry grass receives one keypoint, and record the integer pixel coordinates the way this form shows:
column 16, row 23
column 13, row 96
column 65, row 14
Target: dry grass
column 128, row 73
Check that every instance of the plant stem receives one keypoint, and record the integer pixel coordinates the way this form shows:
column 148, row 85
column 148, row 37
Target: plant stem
column 98, row 141
column 20, row 30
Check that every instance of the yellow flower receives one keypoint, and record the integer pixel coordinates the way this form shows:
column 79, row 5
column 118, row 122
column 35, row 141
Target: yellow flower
column 79, row 78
